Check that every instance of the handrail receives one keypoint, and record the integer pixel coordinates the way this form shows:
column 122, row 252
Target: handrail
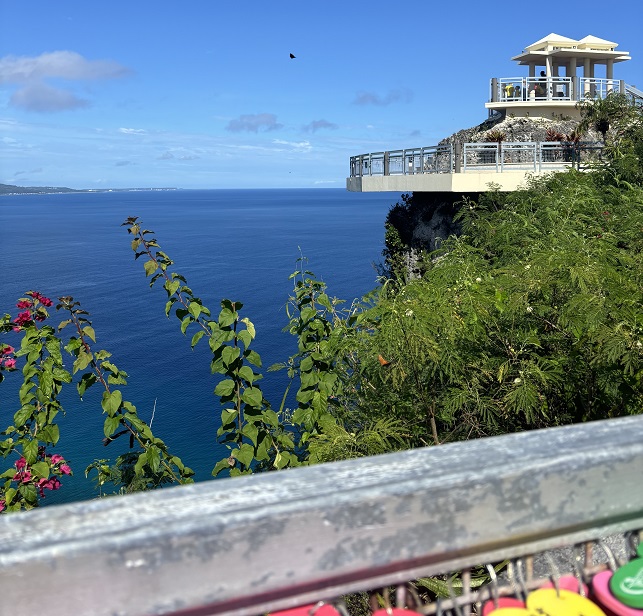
column 478, row 156
column 253, row 544
column 551, row 89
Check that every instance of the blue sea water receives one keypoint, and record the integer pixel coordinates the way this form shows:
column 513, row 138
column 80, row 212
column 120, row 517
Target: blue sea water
column 235, row 244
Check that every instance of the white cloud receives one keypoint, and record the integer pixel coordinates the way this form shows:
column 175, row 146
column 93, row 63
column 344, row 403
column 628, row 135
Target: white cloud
column 30, row 74
column 43, row 98
column 61, row 64
column 315, row 125
column 132, row 131
column 297, row 146
column 253, row 123
column 393, row 96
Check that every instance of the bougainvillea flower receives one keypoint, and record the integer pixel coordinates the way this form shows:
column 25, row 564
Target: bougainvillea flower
column 57, row 458
column 10, row 363
column 24, row 304
column 21, row 463
column 65, row 469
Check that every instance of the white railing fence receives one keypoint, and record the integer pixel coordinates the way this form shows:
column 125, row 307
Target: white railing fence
column 531, row 89
column 255, row 544
column 479, row 156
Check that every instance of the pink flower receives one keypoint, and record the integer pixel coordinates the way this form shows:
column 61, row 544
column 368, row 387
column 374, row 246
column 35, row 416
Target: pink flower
column 21, row 463
column 10, row 363
column 23, row 317
column 53, row 483
column 24, row 304
column 7, row 350
column 64, row 469
column 57, row 458
column 45, row 301
column 3, row 505
column 24, row 476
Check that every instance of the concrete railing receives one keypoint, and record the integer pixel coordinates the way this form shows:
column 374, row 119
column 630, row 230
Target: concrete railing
column 479, row 156
column 259, row 543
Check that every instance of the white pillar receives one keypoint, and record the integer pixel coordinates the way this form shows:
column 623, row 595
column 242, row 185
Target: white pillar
column 609, row 69
column 532, row 69
column 572, row 67
column 548, row 68
column 587, row 70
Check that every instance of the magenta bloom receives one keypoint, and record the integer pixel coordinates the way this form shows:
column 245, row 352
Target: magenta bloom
column 23, row 317
column 21, row 463
column 45, row 301
column 57, row 458
column 3, row 505
column 65, row 469
column 10, row 363
column 23, row 477
column 24, row 304
column 7, row 350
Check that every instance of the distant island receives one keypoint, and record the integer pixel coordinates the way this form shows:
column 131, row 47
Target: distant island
column 10, row 189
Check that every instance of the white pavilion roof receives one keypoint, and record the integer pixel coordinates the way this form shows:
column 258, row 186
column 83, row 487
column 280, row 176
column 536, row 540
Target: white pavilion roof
column 563, row 47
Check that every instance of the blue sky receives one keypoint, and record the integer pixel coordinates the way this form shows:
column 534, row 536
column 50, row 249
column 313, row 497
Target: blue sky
column 203, row 94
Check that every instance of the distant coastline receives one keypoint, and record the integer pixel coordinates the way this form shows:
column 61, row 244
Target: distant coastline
column 10, row 189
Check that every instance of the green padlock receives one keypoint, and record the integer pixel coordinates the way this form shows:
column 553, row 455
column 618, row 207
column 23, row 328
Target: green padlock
column 627, row 582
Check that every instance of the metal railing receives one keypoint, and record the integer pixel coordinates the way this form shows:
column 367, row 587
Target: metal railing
column 531, row 89
column 529, row 156
column 478, row 156
column 432, row 159
column 255, row 544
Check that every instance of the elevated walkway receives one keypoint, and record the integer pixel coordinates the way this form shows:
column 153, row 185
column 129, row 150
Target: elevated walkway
column 466, row 168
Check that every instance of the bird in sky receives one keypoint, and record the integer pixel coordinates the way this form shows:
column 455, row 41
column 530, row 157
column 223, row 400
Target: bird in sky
column 292, row 56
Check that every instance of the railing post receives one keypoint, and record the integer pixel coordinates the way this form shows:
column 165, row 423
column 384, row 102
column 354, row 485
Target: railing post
column 456, row 152
column 494, row 90
column 621, row 88
column 574, row 92
column 386, row 163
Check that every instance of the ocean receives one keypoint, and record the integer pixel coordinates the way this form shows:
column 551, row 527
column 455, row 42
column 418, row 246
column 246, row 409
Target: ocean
column 236, row 244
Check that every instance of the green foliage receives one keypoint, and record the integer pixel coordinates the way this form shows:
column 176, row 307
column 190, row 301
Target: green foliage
column 531, row 318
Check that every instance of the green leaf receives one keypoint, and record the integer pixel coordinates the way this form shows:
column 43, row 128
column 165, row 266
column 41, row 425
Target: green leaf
column 150, row 267
column 110, row 425
column 22, row 416
column 221, row 465
column 245, row 337
column 224, row 388
column 197, row 336
column 252, row 396
column 306, row 364
column 49, row 434
column 228, row 417
column 226, row 317
column 154, row 458
column 249, row 326
column 30, row 451
column 89, row 332
column 112, row 402
column 245, row 454
column 41, row 469
column 251, row 431
column 82, row 361
column 230, row 354
column 253, row 357
column 184, row 323
column 194, row 308
column 246, row 373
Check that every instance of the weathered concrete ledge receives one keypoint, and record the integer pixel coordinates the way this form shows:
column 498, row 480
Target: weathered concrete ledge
column 248, row 545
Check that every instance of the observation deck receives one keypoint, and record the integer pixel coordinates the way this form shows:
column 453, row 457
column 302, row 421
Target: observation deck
column 477, row 167
column 466, row 168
